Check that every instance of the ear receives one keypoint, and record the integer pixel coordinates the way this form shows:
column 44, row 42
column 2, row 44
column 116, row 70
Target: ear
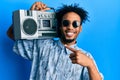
column 80, row 28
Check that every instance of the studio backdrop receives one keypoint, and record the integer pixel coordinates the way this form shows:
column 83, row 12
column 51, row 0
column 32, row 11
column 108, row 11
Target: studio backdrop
column 100, row 36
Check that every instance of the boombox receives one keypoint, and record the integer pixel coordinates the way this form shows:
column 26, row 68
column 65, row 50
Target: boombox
column 30, row 24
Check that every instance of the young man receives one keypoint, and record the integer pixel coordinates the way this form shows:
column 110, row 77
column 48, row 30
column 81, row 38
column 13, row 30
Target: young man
column 59, row 59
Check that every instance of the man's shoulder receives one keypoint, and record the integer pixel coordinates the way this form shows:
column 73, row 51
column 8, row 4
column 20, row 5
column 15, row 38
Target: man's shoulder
column 36, row 41
column 46, row 42
column 84, row 51
column 81, row 49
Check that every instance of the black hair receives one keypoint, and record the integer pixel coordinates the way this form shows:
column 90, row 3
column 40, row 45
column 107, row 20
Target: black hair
column 70, row 8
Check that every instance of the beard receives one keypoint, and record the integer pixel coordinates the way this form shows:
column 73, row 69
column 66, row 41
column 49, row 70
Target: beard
column 67, row 40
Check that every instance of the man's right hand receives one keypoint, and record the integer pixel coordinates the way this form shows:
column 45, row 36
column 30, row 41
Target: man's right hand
column 39, row 6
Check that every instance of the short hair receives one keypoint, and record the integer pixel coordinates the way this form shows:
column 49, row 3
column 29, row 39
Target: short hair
column 83, row 14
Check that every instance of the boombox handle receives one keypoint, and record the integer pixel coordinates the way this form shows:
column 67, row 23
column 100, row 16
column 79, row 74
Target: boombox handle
column 52, row 9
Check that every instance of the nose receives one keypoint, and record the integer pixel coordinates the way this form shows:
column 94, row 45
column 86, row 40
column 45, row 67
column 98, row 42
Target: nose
column 70, row 26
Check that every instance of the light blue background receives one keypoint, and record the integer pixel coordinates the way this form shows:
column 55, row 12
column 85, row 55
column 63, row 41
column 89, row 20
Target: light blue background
column 100, row 36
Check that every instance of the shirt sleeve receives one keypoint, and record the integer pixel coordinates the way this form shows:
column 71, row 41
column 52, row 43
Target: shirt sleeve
column 85, row 73
column 24, row 48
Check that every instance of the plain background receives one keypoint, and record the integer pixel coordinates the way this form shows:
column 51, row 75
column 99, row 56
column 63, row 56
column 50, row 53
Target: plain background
column 100, row 36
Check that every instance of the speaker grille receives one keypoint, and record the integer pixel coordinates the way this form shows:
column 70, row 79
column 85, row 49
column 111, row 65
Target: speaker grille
column 29, row 26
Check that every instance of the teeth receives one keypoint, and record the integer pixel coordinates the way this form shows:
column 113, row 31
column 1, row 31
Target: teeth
column 69, row 33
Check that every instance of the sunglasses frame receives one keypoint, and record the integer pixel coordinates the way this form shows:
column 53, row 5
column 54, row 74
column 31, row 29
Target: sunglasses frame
column 75, row 23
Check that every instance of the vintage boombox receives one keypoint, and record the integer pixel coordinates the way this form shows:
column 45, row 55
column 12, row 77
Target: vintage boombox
column 30, row 24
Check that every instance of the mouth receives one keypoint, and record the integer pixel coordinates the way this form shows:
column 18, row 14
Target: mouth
column 70, row 34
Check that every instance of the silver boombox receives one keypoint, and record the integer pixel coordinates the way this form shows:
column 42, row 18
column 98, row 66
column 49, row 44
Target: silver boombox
column 34, row 24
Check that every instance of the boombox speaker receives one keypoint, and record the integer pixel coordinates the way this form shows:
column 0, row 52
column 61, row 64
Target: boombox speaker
column 34, row 24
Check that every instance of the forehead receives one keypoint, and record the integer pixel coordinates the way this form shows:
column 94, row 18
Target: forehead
column 72, row 16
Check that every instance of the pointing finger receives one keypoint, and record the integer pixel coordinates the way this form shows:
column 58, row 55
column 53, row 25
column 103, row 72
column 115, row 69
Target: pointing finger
column 72, row 49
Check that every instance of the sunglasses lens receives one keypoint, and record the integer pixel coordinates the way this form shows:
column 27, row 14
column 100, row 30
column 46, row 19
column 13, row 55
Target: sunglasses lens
column 65, row 23
column 76, row 24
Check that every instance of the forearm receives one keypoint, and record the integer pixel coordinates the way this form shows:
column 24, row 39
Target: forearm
column 10, row 32
column 93, row 72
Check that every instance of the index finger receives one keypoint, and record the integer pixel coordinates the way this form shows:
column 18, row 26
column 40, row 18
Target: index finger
column 72, row 49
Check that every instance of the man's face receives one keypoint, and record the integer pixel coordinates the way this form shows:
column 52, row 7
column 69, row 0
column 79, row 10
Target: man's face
column 70, row 27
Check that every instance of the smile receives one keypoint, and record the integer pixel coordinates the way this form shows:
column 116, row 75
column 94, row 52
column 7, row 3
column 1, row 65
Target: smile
column 70, row 34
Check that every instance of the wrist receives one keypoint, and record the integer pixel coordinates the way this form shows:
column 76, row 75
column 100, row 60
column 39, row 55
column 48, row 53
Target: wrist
column 91, row 64
column 93, row 71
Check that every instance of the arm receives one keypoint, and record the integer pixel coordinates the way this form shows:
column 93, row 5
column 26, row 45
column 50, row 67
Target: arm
column 78, row 57
column 93, row 72
column 10, row 32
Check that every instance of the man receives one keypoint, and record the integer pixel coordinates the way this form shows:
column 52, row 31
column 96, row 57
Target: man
column 59, row 59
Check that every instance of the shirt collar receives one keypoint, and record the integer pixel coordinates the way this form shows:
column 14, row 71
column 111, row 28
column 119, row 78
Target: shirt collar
column 63, row 47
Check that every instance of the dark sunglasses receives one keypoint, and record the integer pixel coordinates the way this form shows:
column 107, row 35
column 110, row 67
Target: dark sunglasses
column 66, row 23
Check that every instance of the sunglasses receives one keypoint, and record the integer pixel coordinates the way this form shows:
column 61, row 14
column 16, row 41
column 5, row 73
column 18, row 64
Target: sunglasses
column 66, row 23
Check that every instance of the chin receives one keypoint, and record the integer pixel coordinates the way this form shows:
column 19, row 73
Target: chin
column 68, row 40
